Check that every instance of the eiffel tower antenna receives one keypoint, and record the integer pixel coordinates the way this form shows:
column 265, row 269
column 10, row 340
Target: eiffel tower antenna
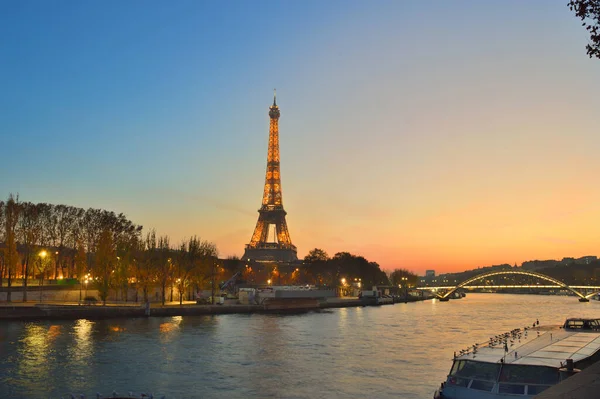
column 271, row 213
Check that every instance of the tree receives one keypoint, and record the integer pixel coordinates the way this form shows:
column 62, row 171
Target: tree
column 43, row 263
column 143, row 264
column 2, row 238
column 207, row 267
column 186, row 263
column 316, row 255
column 589, row 13
column 105, row 264
column 163, row 265
column 11, row 256
column 64, row 221
column 127, row 246
column 28, row 232
column 80, row 264
column 315, row 264
column 403, row 277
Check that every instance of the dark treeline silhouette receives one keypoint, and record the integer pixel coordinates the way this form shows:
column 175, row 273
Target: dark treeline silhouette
column 100, row 247
column 342, row 271
column 573, row 273
column 323, row 270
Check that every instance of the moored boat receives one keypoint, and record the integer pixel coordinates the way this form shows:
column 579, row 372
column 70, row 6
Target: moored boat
column 292, row 298
column 522, row 362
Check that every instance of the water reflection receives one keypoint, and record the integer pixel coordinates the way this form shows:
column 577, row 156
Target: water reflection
column 170, row 328
column 34, row 353
column 83, row 348
column 53, row 332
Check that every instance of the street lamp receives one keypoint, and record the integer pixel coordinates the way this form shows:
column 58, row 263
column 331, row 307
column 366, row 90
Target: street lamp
column 269, row 281
column 86, row 281
column 212, row 282
column 43, row 255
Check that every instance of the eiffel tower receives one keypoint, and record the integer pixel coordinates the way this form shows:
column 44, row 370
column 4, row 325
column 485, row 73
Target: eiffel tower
column 271, row 215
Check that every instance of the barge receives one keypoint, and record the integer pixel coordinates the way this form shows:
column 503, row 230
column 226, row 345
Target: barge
column 524, row 362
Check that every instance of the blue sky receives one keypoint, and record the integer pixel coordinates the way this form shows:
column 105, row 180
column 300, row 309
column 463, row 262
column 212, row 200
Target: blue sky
column 419, row 134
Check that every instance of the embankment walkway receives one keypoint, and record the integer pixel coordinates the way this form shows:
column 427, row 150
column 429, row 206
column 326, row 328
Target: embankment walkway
column 74, row 310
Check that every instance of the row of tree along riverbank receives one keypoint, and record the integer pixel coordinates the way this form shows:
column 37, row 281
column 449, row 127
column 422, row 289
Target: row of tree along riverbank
column 104, row 251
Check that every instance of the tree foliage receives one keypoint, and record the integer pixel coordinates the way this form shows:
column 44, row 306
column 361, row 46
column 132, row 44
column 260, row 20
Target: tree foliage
column 102, row 243
column 105, row 264
column 11, row 256
column 588, row 11
column 316, row 255
column 403, row 277
column 322, row 270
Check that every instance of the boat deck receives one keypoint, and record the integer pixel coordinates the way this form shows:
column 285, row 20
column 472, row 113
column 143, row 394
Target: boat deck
column 547, row 346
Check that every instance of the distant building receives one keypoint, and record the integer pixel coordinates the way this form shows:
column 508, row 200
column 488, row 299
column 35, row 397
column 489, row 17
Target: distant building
column 429, row 273
column 540, row 264
column 586, row 260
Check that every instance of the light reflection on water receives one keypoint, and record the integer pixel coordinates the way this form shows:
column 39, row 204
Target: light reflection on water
column 82, row 349
column 32, row 357
column 402, row 350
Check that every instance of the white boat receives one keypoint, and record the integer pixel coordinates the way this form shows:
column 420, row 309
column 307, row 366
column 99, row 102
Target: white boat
column 524, row 362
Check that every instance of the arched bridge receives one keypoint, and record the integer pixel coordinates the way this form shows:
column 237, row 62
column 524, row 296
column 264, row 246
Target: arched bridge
column 557, row 284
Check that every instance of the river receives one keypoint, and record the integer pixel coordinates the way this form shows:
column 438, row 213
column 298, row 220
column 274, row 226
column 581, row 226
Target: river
column 399, row 351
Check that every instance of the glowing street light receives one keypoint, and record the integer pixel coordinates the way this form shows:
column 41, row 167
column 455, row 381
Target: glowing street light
column 269, row 281
column 342, row 290
column 86, row 280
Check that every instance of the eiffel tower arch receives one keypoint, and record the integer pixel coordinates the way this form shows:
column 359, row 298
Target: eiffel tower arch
column 271, row 240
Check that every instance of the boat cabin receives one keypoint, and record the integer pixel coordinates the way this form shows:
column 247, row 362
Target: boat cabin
column 511, row 379
column 582, row 324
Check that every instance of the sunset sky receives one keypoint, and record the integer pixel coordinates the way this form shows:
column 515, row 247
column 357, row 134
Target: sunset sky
column 418, row 134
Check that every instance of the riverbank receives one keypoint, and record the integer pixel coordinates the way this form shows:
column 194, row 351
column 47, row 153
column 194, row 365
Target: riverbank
column 74, row 310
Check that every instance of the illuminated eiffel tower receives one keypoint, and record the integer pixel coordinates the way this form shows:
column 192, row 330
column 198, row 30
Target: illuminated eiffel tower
column 271, row 223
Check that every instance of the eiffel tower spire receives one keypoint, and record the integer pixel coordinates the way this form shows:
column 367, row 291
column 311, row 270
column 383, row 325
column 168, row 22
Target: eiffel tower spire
column 271, row 215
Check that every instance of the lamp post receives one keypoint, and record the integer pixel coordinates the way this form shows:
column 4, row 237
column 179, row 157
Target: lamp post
column 87, row 279
column 212, row 283
column 56, row 266
column 42, row 255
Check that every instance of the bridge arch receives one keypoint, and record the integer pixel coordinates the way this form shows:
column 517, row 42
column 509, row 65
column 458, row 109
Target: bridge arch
column 522, row 272
column 594, row 292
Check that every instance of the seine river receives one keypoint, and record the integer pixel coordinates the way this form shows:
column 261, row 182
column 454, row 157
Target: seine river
column 395, row 351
